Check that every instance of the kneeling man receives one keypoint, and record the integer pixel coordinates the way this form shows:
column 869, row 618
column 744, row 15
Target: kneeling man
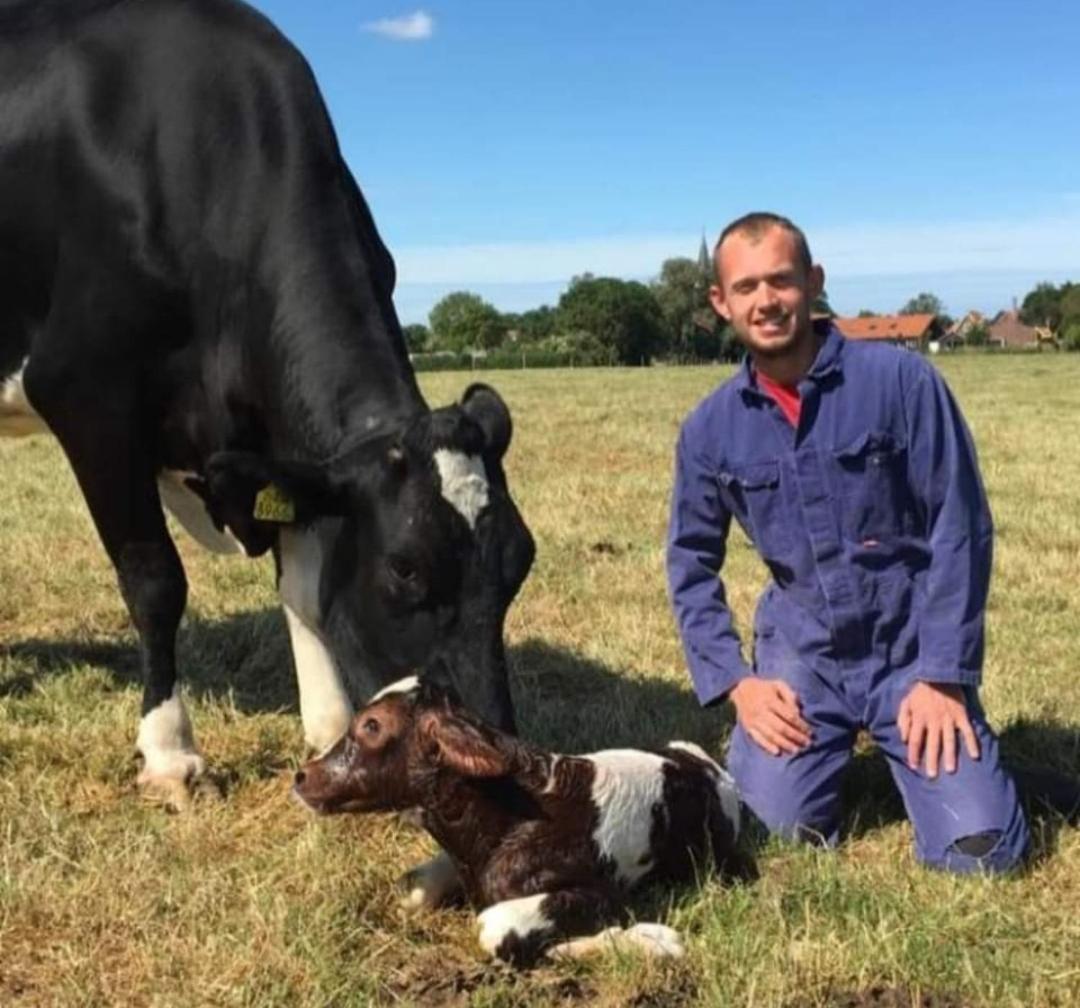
column 851, row 469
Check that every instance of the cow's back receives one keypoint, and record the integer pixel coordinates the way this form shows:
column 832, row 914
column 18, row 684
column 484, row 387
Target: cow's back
column 171, row 163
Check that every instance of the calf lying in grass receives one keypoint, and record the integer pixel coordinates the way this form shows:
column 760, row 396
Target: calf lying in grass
column 546, row 845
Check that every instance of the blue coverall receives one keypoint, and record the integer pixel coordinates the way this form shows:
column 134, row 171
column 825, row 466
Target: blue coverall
column 873, row 522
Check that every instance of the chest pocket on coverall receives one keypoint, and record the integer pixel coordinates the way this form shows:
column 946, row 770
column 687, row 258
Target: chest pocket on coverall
column 872, row 483
column 758, row 502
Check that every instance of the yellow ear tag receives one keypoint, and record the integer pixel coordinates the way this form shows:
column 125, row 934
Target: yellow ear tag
column 272, row 505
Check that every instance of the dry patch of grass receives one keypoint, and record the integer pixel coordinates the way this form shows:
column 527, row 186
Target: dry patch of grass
column 106, row 900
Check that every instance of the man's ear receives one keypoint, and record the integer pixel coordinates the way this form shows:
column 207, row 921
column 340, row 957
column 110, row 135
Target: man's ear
column 455, row 743
column 284, row 493
column 719, row 302
column 817, row 281
column 485, row 407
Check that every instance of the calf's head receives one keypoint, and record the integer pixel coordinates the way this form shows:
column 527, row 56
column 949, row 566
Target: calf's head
column 406, row 735
column 419, row 546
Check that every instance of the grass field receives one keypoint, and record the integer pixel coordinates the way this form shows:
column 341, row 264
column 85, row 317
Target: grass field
column 106, row 900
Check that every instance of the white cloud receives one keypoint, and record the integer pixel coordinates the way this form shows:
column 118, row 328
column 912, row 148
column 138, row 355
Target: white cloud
column 415, row 27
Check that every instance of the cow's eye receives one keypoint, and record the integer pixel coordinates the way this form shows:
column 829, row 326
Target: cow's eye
column 371, row 726
column 402, row 569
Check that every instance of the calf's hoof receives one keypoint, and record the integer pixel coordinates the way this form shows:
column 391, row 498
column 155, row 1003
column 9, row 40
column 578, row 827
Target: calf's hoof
column 657, row 941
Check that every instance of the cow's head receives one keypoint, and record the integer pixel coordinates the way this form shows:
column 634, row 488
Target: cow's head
column 407, row 733
column 411, row 544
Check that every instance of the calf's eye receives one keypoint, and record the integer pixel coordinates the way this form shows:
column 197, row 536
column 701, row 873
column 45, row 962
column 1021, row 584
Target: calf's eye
column 371, row 726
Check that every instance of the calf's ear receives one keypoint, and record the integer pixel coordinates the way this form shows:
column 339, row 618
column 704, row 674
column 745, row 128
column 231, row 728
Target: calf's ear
column 485, row 407
column 283, row 493
column 455, row 743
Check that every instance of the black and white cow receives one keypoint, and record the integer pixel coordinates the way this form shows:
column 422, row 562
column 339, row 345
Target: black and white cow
column 195, row 301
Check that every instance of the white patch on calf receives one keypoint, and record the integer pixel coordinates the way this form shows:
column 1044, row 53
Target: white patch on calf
column 17, row 417
column 189, row 509
column 406, row 685
column 464, row 482
column 325, row 707
column 521, row 917
column 628, row 785
column 167, row 744
column 725, row 783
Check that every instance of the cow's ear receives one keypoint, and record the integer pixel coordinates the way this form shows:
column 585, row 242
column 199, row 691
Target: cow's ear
column 485, row 407
column 457, row 744
column 284, row 493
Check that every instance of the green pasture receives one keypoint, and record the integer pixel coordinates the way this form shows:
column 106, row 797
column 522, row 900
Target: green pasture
column 107, row 900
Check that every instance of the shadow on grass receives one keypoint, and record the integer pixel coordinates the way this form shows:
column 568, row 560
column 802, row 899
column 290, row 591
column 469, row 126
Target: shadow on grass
column 566, row 702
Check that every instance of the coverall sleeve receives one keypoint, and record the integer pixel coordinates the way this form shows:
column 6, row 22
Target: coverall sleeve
column 696, row 545
column 944, row 472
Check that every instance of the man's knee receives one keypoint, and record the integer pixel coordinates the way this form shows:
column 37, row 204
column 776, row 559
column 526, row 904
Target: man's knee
column 990, row 851
column 789, row 804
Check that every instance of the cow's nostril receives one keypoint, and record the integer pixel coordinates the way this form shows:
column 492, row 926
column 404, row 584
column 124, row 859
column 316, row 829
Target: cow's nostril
column 299, row 778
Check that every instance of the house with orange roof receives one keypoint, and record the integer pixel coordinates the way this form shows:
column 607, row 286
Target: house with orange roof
column 912, row 331
column 1007, row 331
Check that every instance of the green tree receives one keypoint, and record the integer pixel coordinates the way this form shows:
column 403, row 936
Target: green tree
column 978, row 335
column 1069, row 305
column 1042, row 306
column 1070, row 339
column 416, row 336
column 866, row 313
column 622, row 314
column 923, row 304
column 536, row 324
column 682, row 292
column 465, row 321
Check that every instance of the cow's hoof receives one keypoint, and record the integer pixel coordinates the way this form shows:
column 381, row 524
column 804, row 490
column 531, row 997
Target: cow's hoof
column 435, row 883
column 181, row 781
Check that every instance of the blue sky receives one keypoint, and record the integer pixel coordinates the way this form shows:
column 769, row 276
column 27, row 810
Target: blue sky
column 506, row 146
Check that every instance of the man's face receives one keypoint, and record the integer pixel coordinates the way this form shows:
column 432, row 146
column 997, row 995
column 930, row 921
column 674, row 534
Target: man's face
column 766, row 292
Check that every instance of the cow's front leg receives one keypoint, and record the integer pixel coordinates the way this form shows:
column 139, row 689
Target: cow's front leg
column 94, row 414
column 325, row 707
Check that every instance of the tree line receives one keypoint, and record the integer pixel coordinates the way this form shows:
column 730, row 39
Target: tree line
column 604, row 320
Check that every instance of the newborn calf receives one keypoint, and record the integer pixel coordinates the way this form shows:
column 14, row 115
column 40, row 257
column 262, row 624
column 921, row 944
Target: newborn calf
column 548, row 845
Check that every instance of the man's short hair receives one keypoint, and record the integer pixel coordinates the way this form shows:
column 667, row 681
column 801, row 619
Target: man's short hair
column 754, row 225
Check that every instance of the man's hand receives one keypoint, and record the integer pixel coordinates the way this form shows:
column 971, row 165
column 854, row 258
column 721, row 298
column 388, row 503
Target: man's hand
column 929, row 717
column 768, row 710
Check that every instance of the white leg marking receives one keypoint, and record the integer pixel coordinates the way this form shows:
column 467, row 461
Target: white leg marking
column 655, row 940
column 167, row 744
column 325, row 707
column 464, row 482
column 406, row 685
column 189, row 510
column 431, row 884
column 628, row 785
column 17, row 417
column 517, row 916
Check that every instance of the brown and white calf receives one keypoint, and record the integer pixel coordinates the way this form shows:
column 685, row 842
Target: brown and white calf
column 547, row 845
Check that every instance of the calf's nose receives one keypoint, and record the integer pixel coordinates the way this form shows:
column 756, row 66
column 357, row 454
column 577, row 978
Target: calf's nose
column 299, row 778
